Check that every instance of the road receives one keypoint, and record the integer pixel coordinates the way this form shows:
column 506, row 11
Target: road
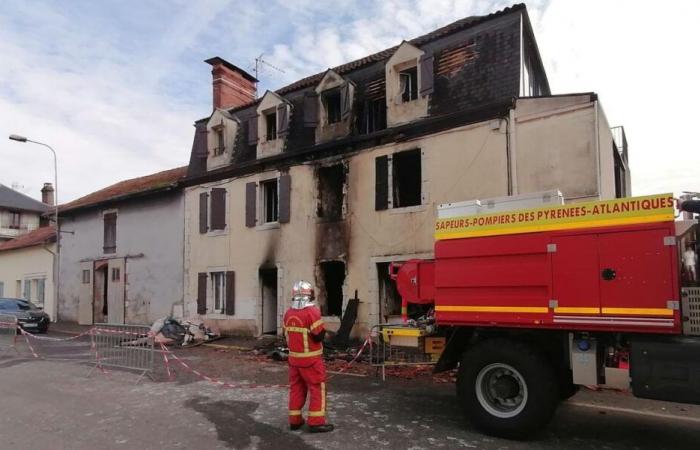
column 50, row 404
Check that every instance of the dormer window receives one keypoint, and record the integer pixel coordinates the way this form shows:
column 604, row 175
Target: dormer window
column 271, row 125
column 408, row 81
column 331, row 104
column 220, row 143
column 221, row 135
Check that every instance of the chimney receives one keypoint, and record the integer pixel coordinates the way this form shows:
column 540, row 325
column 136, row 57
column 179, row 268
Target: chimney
column 47, row 194
column 231, row 85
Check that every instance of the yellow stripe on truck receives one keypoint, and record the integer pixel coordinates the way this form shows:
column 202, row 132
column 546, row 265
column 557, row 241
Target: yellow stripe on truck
column 576, row 310
column 497, row 309
column 639, row 311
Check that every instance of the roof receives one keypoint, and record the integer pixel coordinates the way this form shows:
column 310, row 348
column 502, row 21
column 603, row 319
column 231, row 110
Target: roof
column 11, row 199
column 128, row 188
column 386, row 54
column 42, row 235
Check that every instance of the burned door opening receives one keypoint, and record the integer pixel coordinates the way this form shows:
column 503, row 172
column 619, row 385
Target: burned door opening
column 331, row 192
column 332, row 274
column 389, row 297
column 100, row 286
column 268, row 294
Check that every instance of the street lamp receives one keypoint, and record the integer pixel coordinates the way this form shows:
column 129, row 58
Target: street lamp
column 15, row 137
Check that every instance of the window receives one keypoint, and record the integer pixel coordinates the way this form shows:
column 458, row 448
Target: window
column 40, row 291
column 218, row 291
column 331, row 186
column 86, row 276
column 331, row 104
column 15, row 220
column 110, row 232
column 218, row 209
column 374, row 115
column 220, row 146
column 270, row 208
column 27, row 293
column 406, row 178
column 271, row 125
column 2, row 289
column 333, row 278
column 408, row 82
column 116, row 274
column 18, row 288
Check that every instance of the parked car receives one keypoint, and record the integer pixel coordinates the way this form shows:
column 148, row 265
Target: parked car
column 29, row 316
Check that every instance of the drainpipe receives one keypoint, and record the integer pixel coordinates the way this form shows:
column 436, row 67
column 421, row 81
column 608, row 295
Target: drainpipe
column 597, row 146
column 511, row 153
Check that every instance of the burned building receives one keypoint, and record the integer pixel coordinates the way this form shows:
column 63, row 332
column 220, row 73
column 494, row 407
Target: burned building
column 334, row 176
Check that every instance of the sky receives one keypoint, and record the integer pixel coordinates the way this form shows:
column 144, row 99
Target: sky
column 115, row 86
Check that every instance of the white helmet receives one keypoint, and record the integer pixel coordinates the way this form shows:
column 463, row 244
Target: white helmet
column 302, row 294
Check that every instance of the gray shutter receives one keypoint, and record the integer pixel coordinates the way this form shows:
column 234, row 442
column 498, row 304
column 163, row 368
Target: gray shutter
column 426, row 75
column 285, row 193
column 250, row 209
column 381, row 190
column 282, row 120
column 203, row 212
column 345, row 101
column 218, row 208
column 253, row 130
column 311, row 110
column 230, row 293
column 202, row 293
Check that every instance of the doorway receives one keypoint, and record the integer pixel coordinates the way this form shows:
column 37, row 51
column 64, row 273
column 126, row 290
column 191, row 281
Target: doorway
column 100, row 304
column 268, row 294
column 389, row 297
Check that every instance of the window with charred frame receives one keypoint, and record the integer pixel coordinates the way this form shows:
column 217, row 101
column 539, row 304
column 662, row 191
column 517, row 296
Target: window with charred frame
column 406, row 178
column 332, row 280
column 271, row 125
column 331, row 192
column 270, row 206
column 331, row 104
column 373, row 114
column 408, row 80
column 389, row 297
column 110, row 233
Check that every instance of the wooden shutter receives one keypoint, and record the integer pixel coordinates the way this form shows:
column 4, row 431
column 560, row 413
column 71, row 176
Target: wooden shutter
column 110, row 233
column 311, row 110
column 285, row 193
column 203, row 212
column 250, row 208
column 230, row 293
column 202, row 293
column 218, row 208
column 381, row 190
column 426, row 75
column 282, row 120
column 345, row 101
column 253, row 130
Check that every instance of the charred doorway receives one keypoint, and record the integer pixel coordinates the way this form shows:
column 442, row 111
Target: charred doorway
column 100, row 287
column 268, row 294
column 332, row 279
column 389, row 298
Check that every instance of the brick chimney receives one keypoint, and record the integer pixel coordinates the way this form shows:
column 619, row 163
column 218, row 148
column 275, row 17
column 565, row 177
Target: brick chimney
column 47, row 194
column 231, row 85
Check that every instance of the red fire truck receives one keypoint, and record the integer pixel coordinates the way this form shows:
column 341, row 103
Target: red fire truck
column 536, row 302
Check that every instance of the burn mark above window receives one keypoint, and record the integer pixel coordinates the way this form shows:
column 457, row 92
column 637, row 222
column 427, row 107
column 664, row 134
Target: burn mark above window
column 408, row 80
column 271, row 125
column 331, row 192
column 331, row 104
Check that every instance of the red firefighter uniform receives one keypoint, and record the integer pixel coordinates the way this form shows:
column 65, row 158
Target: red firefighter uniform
column 307, row 372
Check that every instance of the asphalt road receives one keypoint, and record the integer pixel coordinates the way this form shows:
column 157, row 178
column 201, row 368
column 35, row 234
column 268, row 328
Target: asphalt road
column 50, row 404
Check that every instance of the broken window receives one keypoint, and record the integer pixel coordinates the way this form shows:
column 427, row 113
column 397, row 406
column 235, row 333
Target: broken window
column 408, row 84
column 218, row 291
column 15, row 220
column 406, row 176
column 271, row 125
column 332, row 278
column 331, row 183
column 110, row 232
column 220, row 146
column 389, row 298
column 374, row 115
column 270, row 210
column 331, row 104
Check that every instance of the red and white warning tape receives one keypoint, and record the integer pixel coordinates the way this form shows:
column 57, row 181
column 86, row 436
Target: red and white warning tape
column 29, row 344
column 55, row 339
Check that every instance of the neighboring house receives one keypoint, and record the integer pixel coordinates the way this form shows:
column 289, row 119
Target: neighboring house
column 121, row 252
column 19, row 213
column 26, row 267
column 335, row 176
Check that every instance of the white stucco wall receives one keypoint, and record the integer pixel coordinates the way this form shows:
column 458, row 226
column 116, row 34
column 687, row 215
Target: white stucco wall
column 29, row 263
column 149, row 236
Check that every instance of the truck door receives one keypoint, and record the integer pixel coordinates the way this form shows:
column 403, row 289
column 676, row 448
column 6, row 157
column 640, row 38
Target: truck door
column 636, row 274
column 575, row 275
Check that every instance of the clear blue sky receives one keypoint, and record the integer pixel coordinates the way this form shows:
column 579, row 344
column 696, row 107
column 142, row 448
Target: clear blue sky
column 115, row 86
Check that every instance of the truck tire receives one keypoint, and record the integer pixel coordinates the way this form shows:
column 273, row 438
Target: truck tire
column 507, row 388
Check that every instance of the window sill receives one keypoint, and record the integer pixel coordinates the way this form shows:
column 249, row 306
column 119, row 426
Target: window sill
column 215, row 233
column 268, row 226
column 408, row 209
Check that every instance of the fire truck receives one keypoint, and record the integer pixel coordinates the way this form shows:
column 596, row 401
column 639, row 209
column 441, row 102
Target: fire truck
column 536, row 298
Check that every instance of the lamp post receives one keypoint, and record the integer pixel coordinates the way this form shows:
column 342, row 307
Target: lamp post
column 18, row 138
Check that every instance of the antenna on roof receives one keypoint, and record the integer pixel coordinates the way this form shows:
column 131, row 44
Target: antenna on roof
column 261, row 65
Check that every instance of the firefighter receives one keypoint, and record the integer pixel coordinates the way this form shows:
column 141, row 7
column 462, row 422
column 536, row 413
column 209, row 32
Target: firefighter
column 304, row 330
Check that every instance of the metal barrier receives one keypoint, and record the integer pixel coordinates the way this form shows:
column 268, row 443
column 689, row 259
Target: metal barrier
column 124, row 347
column 8, row 332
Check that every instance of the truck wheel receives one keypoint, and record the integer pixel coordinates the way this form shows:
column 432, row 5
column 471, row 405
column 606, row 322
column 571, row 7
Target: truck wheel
column 507, row 388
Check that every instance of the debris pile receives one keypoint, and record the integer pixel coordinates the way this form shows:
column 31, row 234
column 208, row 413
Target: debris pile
column 185, row 333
